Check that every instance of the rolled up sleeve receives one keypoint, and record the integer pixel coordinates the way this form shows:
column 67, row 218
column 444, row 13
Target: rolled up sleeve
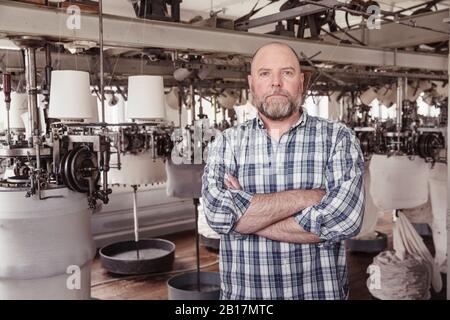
column 340, row 213
column 223, row 207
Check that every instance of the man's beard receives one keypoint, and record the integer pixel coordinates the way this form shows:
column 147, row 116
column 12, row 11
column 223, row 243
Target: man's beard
column 277, row 108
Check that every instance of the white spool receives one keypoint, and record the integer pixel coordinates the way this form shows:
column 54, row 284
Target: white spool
column 70, row 96
column 172, row 98
column 139, row 169
column 173, row 115
column 334, row 106
column 414, row 90
column 42, row 242
column 371, row 211
column 368, row 96
column 421, row 214
column 438, row 194
column 181, row 74
column 114, row 113
column 388, row 96
column 228, row 99
column 25, row 121
column 441, row 90
column 18, row 106
column 184, row 180
column 146, row 99
column 424, row 85
column 94, row 106
column 397, row 182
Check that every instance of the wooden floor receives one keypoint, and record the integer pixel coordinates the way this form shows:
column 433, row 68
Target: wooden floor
column 154, row 287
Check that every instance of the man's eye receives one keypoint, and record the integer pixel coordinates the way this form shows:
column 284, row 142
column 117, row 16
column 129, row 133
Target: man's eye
column 288, row 73
column 264, row 73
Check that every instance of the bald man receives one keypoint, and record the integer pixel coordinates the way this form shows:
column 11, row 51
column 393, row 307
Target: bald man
column 283, row 190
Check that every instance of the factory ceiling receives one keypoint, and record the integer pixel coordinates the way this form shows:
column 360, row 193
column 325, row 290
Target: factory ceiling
column 204, row 49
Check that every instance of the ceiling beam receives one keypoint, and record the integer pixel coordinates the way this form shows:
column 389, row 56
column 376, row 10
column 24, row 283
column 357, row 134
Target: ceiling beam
column 305, row 10
column 115, row 67
column 18, row 19
column 395, row 35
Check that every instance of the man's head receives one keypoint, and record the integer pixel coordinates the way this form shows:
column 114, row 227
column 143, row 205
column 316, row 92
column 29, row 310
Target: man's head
column 276, row 82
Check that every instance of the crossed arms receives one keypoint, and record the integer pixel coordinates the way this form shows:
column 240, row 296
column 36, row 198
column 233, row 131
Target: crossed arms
column 296, row 216
column 270, row 215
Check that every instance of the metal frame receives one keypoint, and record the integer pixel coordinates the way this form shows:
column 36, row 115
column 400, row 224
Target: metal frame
column 304, row 10
column 394, row 35
column 18, row 19
column 447, row 21
column 115, row 67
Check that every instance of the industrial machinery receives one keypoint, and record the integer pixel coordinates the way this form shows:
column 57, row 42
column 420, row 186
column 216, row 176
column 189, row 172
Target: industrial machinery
column 59, row 159
column 49, row 158
column 76, row 154
column 408, row 134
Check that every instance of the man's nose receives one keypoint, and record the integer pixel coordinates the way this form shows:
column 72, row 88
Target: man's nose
column 276, row 80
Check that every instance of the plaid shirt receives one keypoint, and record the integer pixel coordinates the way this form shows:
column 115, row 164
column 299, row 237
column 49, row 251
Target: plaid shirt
column 313, row 154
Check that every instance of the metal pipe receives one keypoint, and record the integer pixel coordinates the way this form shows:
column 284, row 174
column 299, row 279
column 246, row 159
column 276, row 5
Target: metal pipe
column 200, row 107
column 48, row 77
column 175, row 10
column 33, row 112
column 7, row 94
column 136, row 222
column 215, row 109
column 191, row 90
column 448, row 169
column 399, row 104
column 33, row 115
column 300, row 11
column 102, row 76
column 8, row 124
column 102, row 94
column 399, row 110
column 197, row 241
column 180, row 106
column 105, row 174
column 405, row 88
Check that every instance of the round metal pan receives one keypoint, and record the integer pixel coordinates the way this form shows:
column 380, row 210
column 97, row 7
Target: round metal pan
column 195, row 286
column 155, row 255
column 210, row 243
column 369, row 246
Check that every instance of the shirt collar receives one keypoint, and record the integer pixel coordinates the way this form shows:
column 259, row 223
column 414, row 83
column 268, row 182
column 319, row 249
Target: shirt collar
column 300, row 123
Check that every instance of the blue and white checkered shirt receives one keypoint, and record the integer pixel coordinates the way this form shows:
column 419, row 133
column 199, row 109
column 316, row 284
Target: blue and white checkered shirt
column 313, row 154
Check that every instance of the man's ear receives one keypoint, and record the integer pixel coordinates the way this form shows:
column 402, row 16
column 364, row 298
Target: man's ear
column 249, row 79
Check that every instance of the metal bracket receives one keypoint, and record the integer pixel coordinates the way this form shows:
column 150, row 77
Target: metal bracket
column 303, row 10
